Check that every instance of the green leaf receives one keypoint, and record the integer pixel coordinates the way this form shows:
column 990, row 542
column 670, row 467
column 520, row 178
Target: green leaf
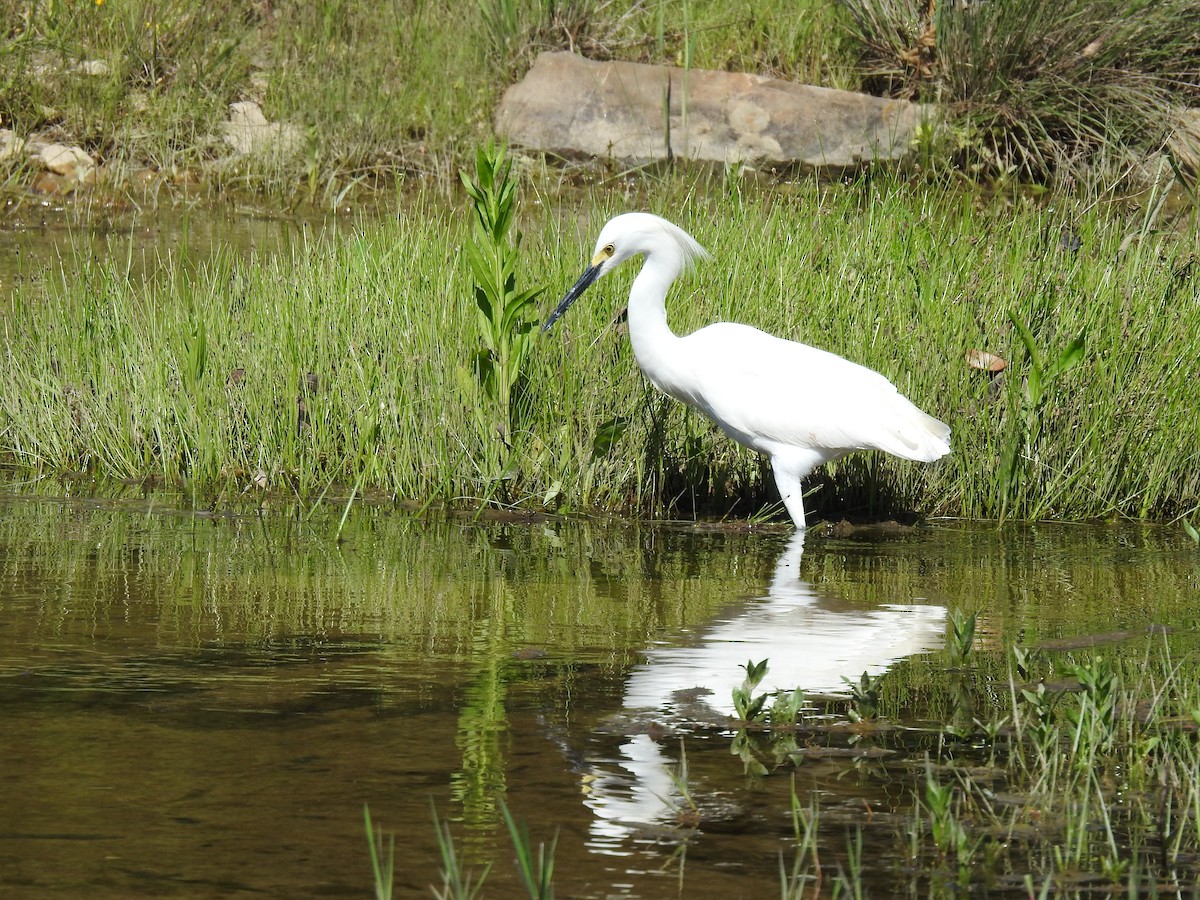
column 1072, row 356
column 607, row 436
column 1034, row 387
column 1191, row 532
column 1031, row 347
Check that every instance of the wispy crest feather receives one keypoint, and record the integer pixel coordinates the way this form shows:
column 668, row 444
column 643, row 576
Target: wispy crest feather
column 690, row 249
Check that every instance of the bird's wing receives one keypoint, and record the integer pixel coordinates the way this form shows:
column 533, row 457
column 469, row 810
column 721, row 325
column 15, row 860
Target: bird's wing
column 782, row 392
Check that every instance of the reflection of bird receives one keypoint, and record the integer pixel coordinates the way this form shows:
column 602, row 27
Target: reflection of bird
column 799, row 405
column 810, row 642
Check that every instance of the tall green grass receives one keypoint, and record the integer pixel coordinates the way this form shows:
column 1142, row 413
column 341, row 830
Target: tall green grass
column 342, row 362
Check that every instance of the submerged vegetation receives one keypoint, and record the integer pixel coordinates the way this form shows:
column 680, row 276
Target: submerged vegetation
column 1063, row 779
column 343, row 363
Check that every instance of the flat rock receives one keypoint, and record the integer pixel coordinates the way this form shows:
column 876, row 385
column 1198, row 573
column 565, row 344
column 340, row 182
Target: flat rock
column 69, row 162
column 94, row 67
column 574, row 106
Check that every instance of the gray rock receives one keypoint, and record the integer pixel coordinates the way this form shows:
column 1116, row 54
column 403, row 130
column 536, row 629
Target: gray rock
column 573, row 106
column 248, row 132
column 94, row 67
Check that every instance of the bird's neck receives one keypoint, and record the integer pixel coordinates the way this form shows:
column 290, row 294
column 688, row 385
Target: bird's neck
column 652, row 338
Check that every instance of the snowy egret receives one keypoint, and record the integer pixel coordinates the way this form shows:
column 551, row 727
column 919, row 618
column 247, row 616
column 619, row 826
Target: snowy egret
column 798, row 405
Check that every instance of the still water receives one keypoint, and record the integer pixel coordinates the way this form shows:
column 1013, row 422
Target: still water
column 200, row 706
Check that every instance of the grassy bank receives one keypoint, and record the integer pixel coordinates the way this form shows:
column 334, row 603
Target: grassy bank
column 376, row 92
column 349, row 363
column 368, row 94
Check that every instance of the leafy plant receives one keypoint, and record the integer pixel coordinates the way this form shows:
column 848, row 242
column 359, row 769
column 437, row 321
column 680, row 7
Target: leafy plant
column 949, row 835
column 962, row 636
column 1036, row 714
column 1094, row 717
column 864, row 697
column 1026, row 662
column 503, row 311
column 761, row 753
column 786, row 706
column 748, row 706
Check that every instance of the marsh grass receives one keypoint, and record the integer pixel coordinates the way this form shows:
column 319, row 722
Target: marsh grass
column 1083, row 780
column 383, row 857
column 1075, row 89
column 534, row 866
column 337, row 363
column 458, row 883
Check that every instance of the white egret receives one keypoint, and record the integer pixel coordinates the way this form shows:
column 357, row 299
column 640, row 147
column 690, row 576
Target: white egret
column 798, row 405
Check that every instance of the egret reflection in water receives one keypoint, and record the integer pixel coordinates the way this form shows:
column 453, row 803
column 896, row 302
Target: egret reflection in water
column 811, row 642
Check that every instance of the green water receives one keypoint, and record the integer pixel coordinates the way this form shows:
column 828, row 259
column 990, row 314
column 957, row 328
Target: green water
column 199, row 706
column 48, row 242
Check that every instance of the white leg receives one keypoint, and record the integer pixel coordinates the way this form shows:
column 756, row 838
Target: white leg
column 789, row 490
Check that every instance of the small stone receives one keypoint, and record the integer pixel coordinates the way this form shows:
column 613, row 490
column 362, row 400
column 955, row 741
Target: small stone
column 49, row 183
column 11, row 146
column 1184, row 142
column 94, row 67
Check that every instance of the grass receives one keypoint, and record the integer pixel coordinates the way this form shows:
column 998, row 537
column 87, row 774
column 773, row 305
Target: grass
column 383, row 857
column 348, row 361
column 1083, row 89
column 378, row 93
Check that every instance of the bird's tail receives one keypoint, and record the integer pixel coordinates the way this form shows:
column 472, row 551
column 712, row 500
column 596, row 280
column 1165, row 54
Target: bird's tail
column 928, row 438
column 912, row 433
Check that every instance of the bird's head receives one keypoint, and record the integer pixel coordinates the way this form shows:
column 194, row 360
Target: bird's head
column 632, row 234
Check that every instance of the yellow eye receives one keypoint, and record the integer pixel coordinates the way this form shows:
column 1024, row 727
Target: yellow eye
column 609, row 250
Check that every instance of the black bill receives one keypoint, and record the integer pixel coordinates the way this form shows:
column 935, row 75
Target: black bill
column 577, row 289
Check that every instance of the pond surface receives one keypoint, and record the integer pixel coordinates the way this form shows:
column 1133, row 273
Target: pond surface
column 42, row 241
column 200, row 706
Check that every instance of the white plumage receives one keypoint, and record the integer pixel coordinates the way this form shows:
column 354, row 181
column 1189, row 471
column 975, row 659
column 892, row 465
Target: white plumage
column 799, row 405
